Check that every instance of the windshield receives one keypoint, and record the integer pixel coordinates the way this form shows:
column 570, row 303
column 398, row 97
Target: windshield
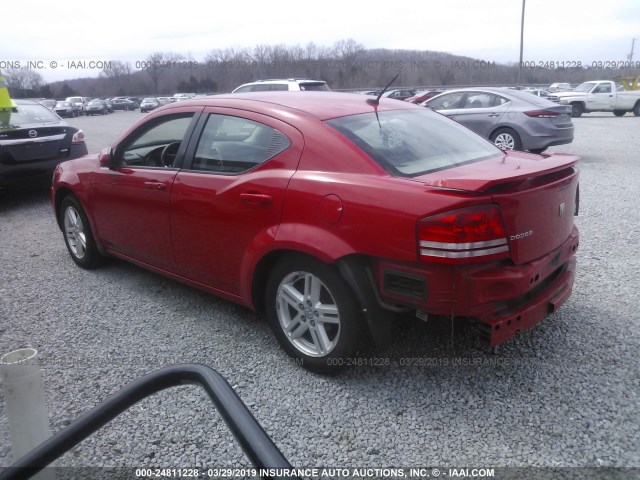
column 95, row 102
column 409, row 143
column 27, row 114
column 585, row 87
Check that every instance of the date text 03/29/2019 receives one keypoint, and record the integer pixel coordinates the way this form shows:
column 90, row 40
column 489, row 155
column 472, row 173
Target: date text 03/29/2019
column 314, row 473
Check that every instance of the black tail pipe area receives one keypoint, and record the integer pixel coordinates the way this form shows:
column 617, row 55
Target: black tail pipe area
column 257, row 445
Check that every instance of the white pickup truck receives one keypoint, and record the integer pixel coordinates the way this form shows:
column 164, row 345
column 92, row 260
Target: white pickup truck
column 599, row 96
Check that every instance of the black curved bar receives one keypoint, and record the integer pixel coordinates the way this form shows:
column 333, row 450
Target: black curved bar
column 257, row 445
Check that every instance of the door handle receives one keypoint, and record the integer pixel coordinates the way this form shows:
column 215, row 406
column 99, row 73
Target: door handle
column 494, row 114
column 155, row 186
column 256, row 198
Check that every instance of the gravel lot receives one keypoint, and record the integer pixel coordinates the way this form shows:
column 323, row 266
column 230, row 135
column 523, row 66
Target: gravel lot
column 566, row 393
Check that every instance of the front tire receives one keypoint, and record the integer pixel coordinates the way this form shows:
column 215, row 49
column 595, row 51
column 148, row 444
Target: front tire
column 313, row 313
column 619, row 113
column 77, row 234
column 577, row 110
column 506, row 139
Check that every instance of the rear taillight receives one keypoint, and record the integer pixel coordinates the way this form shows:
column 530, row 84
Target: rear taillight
column 542, row 113
column 463, row 235
column 78, row 137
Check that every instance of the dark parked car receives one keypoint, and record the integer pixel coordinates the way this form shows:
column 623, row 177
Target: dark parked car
column 148, row 104
column 66, row 109
column 123, row 104
column 331, row 213
column 96, row 107
column 399, row 93
column 512, row 119
column 33, row 140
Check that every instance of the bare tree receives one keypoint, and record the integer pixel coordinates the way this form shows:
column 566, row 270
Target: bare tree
column 118, row 74
column 157, row 64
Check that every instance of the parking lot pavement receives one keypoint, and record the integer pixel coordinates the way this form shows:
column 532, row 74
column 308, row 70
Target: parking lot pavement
column 102, row 130
column 566, row 393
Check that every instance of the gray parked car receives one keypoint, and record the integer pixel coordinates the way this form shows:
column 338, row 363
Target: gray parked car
column 511, row 119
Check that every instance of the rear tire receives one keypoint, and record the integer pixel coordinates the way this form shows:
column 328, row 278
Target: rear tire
column 77, row 234
column 636, row 109
column 313, row 313
column 506, row 139
column 619, row 113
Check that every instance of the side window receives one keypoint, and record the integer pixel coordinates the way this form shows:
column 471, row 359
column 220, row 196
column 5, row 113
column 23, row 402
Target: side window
column 448, row 102
column 501, row 100
column 235, row 145
column 603, row 88
column 479, row 100
column 156, row 143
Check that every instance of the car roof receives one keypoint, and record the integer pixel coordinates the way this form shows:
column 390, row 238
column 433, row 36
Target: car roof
column 323, row 105
column 511, row 94
column 280, row 80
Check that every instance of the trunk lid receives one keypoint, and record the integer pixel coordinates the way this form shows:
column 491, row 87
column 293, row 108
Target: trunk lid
column 536, row 195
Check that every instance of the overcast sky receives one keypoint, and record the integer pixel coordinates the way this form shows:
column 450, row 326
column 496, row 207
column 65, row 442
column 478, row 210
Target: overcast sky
column 555, row 30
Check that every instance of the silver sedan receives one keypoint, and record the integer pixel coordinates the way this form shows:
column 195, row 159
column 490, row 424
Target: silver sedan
column 511, row 119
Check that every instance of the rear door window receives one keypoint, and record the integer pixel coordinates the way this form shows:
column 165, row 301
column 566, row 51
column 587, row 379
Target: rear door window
column 235, row 145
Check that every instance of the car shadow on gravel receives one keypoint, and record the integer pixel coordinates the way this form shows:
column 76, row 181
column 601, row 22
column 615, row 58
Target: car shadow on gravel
column 13, row 198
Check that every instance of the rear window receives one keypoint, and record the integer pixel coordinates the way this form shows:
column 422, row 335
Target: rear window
column 315, row 87
column 409, row 143
column 28, row 114
column 263, row 87
column 527, row 97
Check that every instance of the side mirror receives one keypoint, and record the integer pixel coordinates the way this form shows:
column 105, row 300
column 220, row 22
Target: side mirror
column 106, row 159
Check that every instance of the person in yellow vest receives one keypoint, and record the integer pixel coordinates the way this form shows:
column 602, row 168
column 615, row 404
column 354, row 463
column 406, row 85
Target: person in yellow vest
column 6, row 104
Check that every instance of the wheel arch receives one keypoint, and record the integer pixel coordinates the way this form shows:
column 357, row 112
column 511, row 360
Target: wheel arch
column 60, row 194
column 502, row 126
column 355, row 269
column 582, row 105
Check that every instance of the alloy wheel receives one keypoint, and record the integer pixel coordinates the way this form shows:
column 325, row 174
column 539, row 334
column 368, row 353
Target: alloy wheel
column 308, row 314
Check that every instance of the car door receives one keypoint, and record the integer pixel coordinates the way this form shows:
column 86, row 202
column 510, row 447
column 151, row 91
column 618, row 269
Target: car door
column 480, row 111
column 601, row 97
column 227, row 200
column 131, row 199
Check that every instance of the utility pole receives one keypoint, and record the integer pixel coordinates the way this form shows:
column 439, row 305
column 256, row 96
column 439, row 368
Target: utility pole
column 521, row 43
column 633, row 43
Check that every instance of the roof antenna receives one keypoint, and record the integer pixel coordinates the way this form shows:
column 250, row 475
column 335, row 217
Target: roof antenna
column 376, row 101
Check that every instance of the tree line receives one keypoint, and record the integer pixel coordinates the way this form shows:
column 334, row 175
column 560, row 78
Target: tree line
column 345, row 65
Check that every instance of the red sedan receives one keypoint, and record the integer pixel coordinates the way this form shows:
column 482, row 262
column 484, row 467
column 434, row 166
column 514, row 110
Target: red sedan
column 331, row 213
